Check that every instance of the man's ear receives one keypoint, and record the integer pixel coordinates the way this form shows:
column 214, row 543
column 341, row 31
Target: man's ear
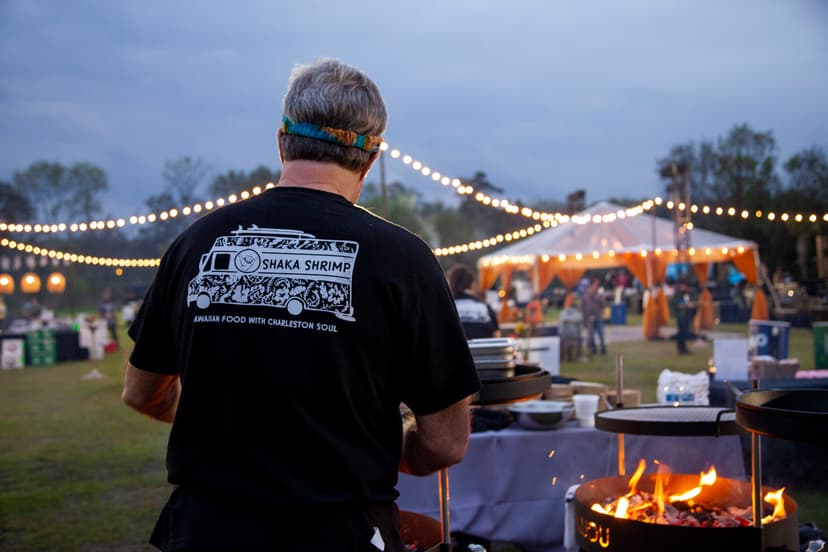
column 279, row 135
column 364, row 172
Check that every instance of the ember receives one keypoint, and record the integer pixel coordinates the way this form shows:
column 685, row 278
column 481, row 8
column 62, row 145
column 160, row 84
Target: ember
column 691, row 507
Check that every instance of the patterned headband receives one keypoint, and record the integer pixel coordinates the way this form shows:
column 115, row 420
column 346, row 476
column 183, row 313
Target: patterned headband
column 337, row 136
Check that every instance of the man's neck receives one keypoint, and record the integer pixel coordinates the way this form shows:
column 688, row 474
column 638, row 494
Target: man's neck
column 326, row 177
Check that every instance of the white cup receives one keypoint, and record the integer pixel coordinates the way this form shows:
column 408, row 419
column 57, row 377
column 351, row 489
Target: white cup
column 585, row 408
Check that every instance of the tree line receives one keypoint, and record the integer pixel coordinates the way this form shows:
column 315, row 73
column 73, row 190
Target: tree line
column 742, row 169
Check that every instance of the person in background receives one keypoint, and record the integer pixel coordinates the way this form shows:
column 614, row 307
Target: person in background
column 683, row 308
column 592, row 308
column 583, row 285
column 478, row 318
column 106, row 311
column 31, row 309
column 622, row 281
column 535, row 311
column 570, row 322
column 737, row 294
column 778, row 276
column 285, row 402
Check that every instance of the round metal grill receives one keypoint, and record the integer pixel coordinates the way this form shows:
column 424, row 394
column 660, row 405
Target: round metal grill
column 684, row 421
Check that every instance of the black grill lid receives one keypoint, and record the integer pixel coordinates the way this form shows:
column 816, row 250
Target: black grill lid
column 682, row 421
column 527, row 382
column 796, row 414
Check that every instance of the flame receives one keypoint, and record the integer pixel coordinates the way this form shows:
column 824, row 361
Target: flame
column 708, row 478
column 662, row 476
column 651, row 507
column 623, row 504
column 598, row 508
column 705, row 480
column 636, row 476
column 684, row 497
column 775, row 498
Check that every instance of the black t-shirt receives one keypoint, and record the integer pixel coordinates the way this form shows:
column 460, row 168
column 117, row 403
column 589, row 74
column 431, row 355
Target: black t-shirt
column 298, row 322
column 478, row 318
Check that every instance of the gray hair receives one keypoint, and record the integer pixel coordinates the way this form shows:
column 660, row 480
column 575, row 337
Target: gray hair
column 333, row 94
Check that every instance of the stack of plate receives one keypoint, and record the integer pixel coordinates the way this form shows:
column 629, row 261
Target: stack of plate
column 493, row 357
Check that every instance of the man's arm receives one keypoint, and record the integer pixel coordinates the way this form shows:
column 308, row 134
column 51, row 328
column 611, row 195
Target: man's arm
column 437, row 441
column 155, row 395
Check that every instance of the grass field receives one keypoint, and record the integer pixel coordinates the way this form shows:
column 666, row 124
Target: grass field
column 644, row 360
column 78, row 470
column 81, row 472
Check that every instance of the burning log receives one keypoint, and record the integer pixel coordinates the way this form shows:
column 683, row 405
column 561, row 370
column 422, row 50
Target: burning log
column 693, row 507
column 691, row 512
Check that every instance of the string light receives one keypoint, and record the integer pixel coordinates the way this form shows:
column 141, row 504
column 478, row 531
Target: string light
column 505, row 205
column 759, row 214
column 111, row 224
column 584, row 256
column 78, row 257
column 460, row 188
column 493, row 240
column 562, row 218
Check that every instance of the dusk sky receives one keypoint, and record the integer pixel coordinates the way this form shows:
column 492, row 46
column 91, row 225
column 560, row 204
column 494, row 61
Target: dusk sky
column 544, row 96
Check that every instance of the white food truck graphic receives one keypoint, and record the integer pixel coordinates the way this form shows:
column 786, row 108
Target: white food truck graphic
column 277, row 268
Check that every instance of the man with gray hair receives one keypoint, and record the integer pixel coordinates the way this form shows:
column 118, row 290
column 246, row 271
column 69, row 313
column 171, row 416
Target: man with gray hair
column 281, row 335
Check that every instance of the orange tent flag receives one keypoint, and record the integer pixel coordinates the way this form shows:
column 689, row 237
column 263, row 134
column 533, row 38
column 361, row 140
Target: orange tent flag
column 760, row 306
column 508, row 313
column 663, row 308
column 704, row 317
column 650, row 322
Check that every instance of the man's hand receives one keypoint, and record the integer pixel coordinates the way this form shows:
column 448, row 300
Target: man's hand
column 437, row 441
column 155, row 395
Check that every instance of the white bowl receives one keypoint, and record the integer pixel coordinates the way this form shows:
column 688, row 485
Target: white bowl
column 542, row 414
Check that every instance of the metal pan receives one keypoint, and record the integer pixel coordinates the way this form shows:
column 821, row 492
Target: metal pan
column 794, row 414
column 492, row 346
column 489, row 374
column 683, row 421
column 528, row 381
column 494, row 363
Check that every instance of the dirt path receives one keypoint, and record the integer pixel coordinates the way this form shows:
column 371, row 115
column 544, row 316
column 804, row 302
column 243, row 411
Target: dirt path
column 620, row 334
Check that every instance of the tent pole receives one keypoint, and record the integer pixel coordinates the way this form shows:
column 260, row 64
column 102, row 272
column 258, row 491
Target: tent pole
column 535, row 277
column 650, row 275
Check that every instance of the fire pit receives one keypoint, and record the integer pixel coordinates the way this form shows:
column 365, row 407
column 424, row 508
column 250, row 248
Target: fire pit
column 678, row 512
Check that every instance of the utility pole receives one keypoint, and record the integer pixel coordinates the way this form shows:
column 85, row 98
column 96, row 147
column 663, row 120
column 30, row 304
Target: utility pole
column 679, row 190
column 576, row 202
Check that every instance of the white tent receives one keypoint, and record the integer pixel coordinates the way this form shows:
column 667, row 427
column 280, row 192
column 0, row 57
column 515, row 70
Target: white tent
column 607, row 235
column 604, row 235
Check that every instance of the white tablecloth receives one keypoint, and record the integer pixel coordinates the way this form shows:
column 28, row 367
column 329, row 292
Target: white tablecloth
column 511, row 485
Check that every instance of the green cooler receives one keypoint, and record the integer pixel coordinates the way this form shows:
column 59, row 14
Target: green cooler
column 820, row 345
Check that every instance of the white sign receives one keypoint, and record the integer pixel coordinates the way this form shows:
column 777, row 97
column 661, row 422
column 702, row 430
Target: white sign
column 546, row 351
column 13, row 355
column 730, row 356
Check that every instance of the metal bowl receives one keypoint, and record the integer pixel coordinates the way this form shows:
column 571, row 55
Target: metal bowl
column 542, row 414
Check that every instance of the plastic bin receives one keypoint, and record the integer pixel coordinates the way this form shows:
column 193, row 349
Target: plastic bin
column 768, row 338
column 820, row 345
column 618, row 314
